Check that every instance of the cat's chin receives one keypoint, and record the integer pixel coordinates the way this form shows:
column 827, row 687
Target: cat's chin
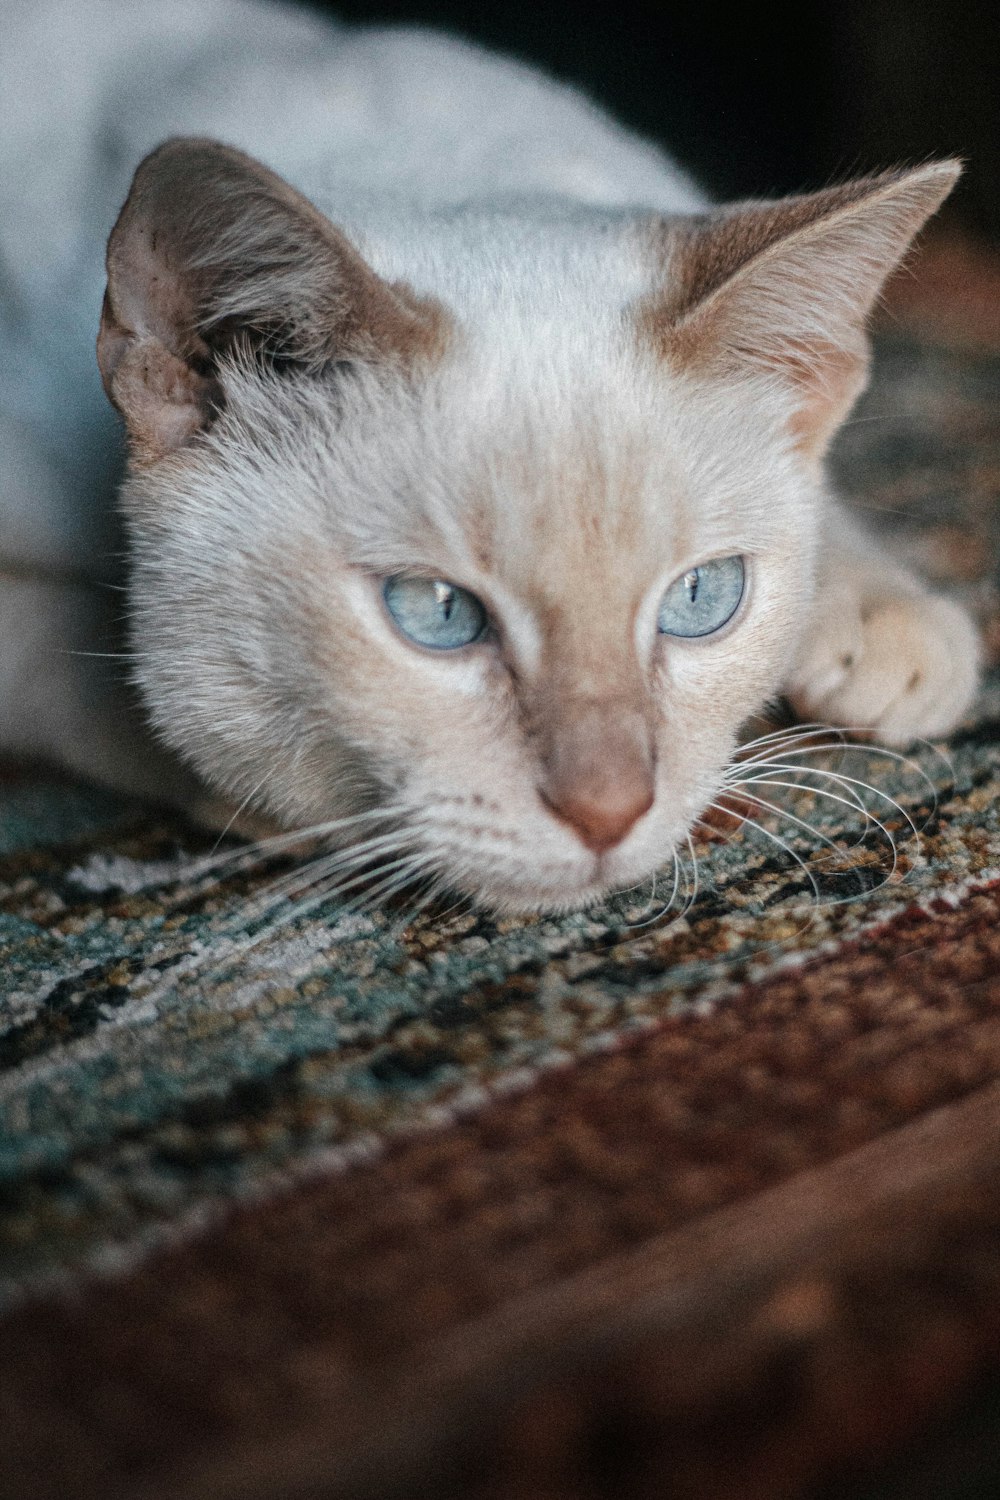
column 552, row 874
column 553, row 898
column 544, row 904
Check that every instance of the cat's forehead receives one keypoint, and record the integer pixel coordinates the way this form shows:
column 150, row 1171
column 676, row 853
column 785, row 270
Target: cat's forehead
column 562, row 466
column 583, row 503
column 591, row 467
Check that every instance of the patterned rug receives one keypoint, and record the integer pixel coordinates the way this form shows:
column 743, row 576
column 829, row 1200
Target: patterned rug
column 700, row 1201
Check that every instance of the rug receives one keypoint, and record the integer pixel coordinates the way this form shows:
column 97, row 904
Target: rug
column 696, row 1193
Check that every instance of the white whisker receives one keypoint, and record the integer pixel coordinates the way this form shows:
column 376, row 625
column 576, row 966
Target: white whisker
column 262, row 849
column 832, row 797
column 242, row 808
column 326, row 865
column 851, row 785
column 871, row 751
column 781, row 843
column 783, row 812
column 330, row 893
column 792, row 733
column 694, row 876
column 851, row 793
column 667, row 905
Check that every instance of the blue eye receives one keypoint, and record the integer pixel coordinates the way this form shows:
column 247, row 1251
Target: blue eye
column 434, row 613
column 703, row 599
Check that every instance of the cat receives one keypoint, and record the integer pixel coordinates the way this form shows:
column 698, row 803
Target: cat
column 475, row 493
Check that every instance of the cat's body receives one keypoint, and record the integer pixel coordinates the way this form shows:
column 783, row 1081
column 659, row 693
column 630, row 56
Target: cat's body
column 508, row 367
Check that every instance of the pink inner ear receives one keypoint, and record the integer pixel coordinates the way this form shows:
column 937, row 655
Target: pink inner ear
column 211, row 244
column 164, row 402
column 828, row 381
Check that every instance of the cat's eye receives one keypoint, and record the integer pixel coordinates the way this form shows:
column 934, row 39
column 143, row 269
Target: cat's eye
column 434, row 613
column 703, row 599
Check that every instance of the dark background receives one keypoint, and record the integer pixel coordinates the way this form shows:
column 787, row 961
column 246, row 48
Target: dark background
column 763, row 99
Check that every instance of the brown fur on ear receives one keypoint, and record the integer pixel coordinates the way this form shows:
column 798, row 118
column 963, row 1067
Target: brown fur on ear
column 787, row 287
column 211, row 247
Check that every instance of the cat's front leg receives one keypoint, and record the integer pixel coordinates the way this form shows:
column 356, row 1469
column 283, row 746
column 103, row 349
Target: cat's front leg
column 883, row 652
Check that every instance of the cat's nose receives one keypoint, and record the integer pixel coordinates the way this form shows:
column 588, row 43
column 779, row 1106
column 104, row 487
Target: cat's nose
column 602, row 818
column 599, row 767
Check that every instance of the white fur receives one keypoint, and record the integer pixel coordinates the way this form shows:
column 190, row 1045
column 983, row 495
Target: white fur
column 550, row 463
column 283, row 489
column 88, row 87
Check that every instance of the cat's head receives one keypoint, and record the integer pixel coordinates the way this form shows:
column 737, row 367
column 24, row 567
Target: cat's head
column 513, row 547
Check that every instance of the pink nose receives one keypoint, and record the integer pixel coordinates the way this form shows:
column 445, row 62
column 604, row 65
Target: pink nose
column 602, row 820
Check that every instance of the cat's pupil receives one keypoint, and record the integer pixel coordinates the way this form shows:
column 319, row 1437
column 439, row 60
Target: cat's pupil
column 691, row 584
column 445, row 596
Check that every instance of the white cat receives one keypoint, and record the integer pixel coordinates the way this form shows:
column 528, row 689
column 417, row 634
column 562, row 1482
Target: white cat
column 475, row 463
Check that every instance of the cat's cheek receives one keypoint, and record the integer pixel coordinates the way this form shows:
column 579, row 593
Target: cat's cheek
column 706, row 689
column 436, row 733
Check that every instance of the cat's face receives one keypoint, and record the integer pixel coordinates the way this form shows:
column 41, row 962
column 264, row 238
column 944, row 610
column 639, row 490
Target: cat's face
column 521, row 590
column 565, row 513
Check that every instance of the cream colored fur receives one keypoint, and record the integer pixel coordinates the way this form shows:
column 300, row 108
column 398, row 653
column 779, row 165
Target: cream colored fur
column 518, row 364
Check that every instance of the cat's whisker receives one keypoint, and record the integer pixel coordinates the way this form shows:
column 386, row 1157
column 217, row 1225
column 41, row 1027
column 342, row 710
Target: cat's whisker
column 711, row 831
column 368, row 855
column 667, row 905
column 109, row 655
column 435, row 883
column 794, row 747
column 850, row 785
column 326, row 865
column 332, row 892
column 736, row 771
column 850, row 791
column 395, row 875
column 783, row 731
column 847, row 785
column 376, row 896
column 274, row 844
column 317, row 886
column 871, row 751
column 853, row 797
column 781, row 812
column 269, row 902
column 791, row 732
column 833, row 797
column 781, row 843
column 794, row 743
column 830, row 737
column 692, row 898
column 626, row 890
column 855, row 784
column 242, row 808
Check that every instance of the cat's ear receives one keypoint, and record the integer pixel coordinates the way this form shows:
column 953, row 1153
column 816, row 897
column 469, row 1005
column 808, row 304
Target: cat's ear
column 212, row 250
column 787, row 286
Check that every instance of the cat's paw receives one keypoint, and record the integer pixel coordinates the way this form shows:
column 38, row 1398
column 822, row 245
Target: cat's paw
column 903, row 668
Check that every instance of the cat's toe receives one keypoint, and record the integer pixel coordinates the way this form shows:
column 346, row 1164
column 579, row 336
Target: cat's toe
column 908, row 669
column 829, row 654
